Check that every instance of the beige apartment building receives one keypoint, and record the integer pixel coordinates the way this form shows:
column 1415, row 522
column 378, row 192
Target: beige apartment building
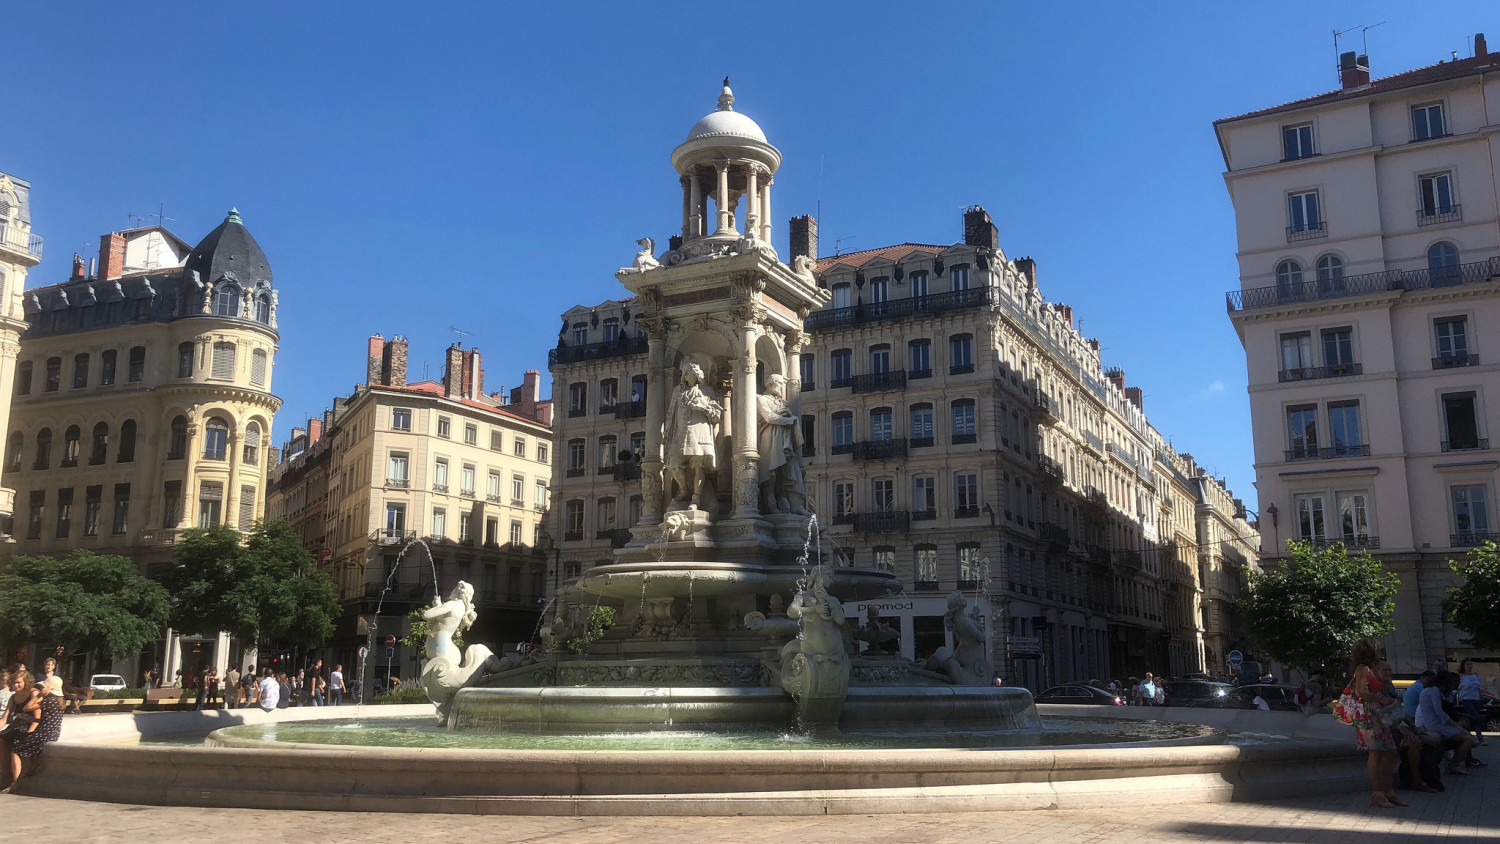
column 20, row 250
column 1369, row 251
column 143, row 405
column 407, row 487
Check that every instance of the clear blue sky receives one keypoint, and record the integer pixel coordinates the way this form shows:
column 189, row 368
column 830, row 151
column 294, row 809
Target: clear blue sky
column 408, row 167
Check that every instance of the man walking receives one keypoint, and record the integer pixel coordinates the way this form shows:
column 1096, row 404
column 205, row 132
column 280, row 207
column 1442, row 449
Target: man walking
column 336, row 686
column 1145, row 693
column 232, row 688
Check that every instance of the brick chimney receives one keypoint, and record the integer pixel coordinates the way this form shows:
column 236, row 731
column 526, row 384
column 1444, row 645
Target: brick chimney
column 804, row 237
column 1133, row 395
column 1027, row 267
column 80, row 269
column 1117, row 378
column 523, row 399
column 373, row 362
column 393, row 362
column 1480, row 48
column 1066, row 311
column 979, row 230
column 473, row 375
column 111, row 255
column 314, row 431
column 1354, row 70
column 453, row 372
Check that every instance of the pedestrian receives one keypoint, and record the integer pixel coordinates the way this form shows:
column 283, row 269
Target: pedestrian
column 1433, row 720
column 1371, row 734
column 270, row 691
column 318, row 681
column 1145, row 693
column 20, row 725
column 202, row 690
column 5, row 691
column 336, row 686
column 285, row 692
column 1471, row 697
column 232, row 688
column 248, row 686
column 1312, row 695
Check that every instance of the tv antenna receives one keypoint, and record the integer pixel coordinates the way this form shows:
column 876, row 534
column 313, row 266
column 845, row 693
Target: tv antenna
column 1364, row 39
column 838, row 244
column 461, row 334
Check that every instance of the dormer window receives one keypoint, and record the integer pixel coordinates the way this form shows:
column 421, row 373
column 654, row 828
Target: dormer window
column 840, row 295
column 226, row 301
column 580, row 333
column 880, row 289
column 1297, row 142
column 1427, row 122
column 611, row 330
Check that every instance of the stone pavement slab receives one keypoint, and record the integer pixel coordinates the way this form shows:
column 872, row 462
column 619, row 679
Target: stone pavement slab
column 1469, row 811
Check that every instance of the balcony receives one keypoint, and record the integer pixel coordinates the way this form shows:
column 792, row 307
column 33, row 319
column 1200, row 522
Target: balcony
column 1053, row 533
column 1470, row 444
column 970, row 512
column 1330, row 453
column 961, row 369
column 576, row 471
column 1096, row 497
column 20, row 240
column 1451, row 361
column 897, row 309
column 597, row 351
column 442, row 488
column 809, row 450
column 631, row 410
column 1477, row 272
column 809, row 385
column 1052, row 468
column 617, row 537
column 914, row 374
column 1099, row 555
column 493, row 499
column 887, row 521
column 965, row 439
column 1043, row 406
column 609, row 409
column 573, row 535
column 1127, row 558
column 1311, row 231
column 879, row 382
column 920, row 442
column 1353, row 543
column 1440, row 214
column 397, row 483
column 630, row 471
column 466, row 493
column 1309, row 373
column 880, row 449
column 927, row 515
column 1092, row 441
column 606, row 468
column 843, row 518
column 393, row 536
column 577, row 412
column 1470, row 538
column 842, row 448
column 836, row 382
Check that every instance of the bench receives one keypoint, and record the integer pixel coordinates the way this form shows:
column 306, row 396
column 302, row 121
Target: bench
column 164, row 699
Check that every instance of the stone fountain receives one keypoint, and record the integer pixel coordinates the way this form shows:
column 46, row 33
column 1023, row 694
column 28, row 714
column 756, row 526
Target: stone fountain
column 724, row 614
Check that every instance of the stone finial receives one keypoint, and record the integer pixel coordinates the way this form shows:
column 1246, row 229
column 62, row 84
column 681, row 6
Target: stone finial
column 726, row 97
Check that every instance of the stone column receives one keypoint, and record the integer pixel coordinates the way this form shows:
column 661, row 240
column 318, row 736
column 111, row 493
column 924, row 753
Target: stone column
column 687, row 207
column 795, row 339
column 231, row 484
column 653, row 492
column 695, row 223
column 189, row 483
column 722, row 201
column 765, row 211
column 746, row 409
column 752, row 204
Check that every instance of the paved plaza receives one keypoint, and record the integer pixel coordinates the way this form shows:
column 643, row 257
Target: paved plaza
column 1468, row 811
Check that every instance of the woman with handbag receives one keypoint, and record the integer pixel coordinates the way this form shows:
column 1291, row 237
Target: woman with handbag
column 1361, row 704
column 19, row 726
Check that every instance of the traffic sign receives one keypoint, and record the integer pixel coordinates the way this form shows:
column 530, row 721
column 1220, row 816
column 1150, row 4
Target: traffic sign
column 1025, row 645
column 325, row 555
column 389, row 653
column 390, row 642
column 1235, row 659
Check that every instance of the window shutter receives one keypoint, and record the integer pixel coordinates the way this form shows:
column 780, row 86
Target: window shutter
column 211, row 491
column 497, row 440
column 223, row 361
column 247, row 507
column 258, row 367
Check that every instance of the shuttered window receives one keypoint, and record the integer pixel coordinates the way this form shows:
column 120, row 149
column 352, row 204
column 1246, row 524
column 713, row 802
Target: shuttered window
column 247, row 507
column 223, row 361
column 258, row 367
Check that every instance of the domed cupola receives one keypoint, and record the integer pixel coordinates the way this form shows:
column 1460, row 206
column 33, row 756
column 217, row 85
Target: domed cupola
column 234, row 273
column 726, row 158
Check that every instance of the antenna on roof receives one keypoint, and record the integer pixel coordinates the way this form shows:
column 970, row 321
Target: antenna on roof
column 461, row 334
column 1364, row 39
column 838, row 244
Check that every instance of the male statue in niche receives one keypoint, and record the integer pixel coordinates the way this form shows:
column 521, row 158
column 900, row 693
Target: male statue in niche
column 692, row 423
column 780, row 446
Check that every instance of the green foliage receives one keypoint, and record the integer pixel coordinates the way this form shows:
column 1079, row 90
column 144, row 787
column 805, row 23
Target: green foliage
column 86, row 602
column 1310, row 609
column 1474, row 606
column 600, row 620
column 417, row 638
column 120, row 694
column 408, row 694
column 268, row 586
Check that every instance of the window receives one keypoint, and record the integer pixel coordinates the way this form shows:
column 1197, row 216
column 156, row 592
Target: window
column 840, row 368
column 611, row 329
column 575, row 456
column 517, row 489
column 444, row 427
column 1302, row 431
column 177, row 443
column 171, row 511
column 471, row 433
column 1343, row 428
column 960, row 354
column 843, row 432
column 518, row 447
column 184, row 360
column 515, row 532
column 1296, row 142
column 963, row 422
column 1330, row 271
column 924, row 565
column 638, row 446
column 885, row 558
column 466, row 481
column 13, row 448
column 99, row 450
column 107, row 367
column 227, row 301
column 969, row 564
column 246, row 508
column 1354, row 517
column 809, row 436
column 921, row 425
column 64, row 513
column 605, row 522
column 883, row 495
column 965, row 495
column 497, row 440
column 258, row 359
column 609, row 395
column 464, row 520
column 1427, row 122
column 1302, row 213
column 959, row 276
column 880, row 289
column 439, row 522
column 126, row 451
column 541, row 494
column 138, row 364
column 1471, row 514
column 1289, row 280
column 1310, row 527
column 71, row 439
column 23, row 378
column 924, row 497
column 881, row 429
column 440, row 475
column 843, row 502
column 1461, row 423
column 573, row 520
column 918, row 282
column 807, row 368
column 840, row 295
column 580, row 333
column 492, row 531
column 121, row 522
column 919, row 359
column 395, row 519
column 635, row 508
column 263, row 309
column 578, row 399
column 1296, row 354
column 36, row 512
column 1435, row 193
column 80, row 371
column 54, row 375
column 215, row 439
column 541, row 452
column 1452, row 335
column 400, row 419
column 880, row 359
column 43, row 449
column 398, row 469
column 608, row 452
column 1442, row 263
column 1338, row 348
column 492, row 486
column 250, row 452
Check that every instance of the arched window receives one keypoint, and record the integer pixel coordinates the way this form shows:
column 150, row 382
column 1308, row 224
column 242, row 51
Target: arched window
column 227, row 301
column 177, row 447
column 215, row 438
column 252, row 444
column 126, row 453
column 99, row 451
column 1442, row 262
column 23, row 377
column 13, row 452
column 263, row 308
column 43, row 449
column 1289, row 280
column 71, row 438
column 1330, row 269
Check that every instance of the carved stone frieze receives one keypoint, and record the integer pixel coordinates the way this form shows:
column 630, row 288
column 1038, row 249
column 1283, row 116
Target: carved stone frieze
column 714, row 674
column 878, row 674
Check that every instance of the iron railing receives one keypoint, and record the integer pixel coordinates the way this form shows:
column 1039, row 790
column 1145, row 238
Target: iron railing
column 1469, row 444
column 1093, row 441
column 1096, row 496
column 879, row 382
column 1328, row 453
column 1128, row 558
column 886, row 521
column 1307, row 232
column 927, row 515
column 628, row 471
column 1467, row 538
column 1051, row 467
column 1098, row 555
column 921, row 442
column 398, row 483
column 1308, row 373
column 880, row 449
column 597, row 351
column 1477, row 272
column 14, row 237
column 630, row 410
column 1053, row 533
column 1440, row 214
column 1451, row 361
column 1362, row 542
column 898, row 309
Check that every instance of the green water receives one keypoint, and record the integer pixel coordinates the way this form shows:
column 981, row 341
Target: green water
column 420, row 732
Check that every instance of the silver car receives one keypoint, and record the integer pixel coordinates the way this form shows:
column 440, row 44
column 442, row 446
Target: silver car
column 107, row 683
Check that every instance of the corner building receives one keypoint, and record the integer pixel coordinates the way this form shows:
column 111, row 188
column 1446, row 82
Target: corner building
column 142, row 403
column 20, row 250
column 1369, row 253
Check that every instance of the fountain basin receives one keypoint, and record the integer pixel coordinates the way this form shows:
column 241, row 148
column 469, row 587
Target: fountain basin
column 673, row 579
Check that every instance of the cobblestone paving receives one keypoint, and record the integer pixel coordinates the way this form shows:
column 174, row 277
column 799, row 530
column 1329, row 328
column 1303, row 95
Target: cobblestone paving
column 1468, row 812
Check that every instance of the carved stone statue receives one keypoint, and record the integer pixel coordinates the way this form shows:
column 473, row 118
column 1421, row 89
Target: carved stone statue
column 964, row 663
column 644, row 259
column 208, row 298
column 804, row 266
column 247, row 310
column 875, row 633
column 815, row 665
column 445, row 672
column 692, row 423
column 780, row 444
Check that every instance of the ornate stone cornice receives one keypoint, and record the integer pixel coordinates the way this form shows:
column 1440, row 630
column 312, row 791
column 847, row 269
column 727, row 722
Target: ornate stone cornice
column 224, row 392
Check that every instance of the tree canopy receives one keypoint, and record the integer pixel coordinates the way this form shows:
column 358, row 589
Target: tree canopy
column 84, row 602
column 1474, row 606
column 268, row 585
column 1310, row 609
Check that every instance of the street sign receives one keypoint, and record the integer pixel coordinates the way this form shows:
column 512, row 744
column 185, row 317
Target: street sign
column 390, row 642
column 389, row 653
column 1025, row 645
column 1235, row 659
column 325, row 555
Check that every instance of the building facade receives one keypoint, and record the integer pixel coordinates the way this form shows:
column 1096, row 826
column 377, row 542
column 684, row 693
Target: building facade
column 1369, row 251
column 20, row 250
column 142, row 402
column 405, row 488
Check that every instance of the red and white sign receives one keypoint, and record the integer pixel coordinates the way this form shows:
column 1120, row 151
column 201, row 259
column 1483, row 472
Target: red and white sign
column 390, row 641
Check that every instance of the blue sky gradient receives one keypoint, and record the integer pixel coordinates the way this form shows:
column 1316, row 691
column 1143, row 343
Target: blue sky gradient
column 412, row 167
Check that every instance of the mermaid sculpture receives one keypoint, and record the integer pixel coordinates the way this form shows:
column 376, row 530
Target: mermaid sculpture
column 445, row 672
column 815, row 665
column 964, row 662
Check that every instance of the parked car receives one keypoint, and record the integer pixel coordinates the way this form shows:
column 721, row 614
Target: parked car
column 1079, row 694
column 107, row 683
column 1196, row 692
column 1277, row 697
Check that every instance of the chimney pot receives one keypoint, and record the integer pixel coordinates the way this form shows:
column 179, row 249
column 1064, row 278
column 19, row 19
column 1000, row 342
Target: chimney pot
column 78, row 267
column 111, row 255
column 804, row 237
column 1480, row 48
column 979, row 230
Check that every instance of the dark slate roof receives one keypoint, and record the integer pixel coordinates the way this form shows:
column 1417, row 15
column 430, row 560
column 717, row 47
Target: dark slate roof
column 229, row 250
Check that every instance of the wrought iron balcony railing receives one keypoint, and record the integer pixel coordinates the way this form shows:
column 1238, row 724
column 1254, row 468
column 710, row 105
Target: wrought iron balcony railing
column 1477, row 272
column 927, row 515
column 1053, row 533
column 576, row 471
column 886, row 521
column 597, row 351
column 20, row 240
column 879, row 382
column 630, row 410
column 1451, row 361
column 443, row 488
column 898, row 309
column 1468, row 538
column 630, row 471
column 967, row 512
column 1330, row 453
column 1051, row 467
column 1307, row 232
column 398, row 483
column 1096, row 496
column 1470, row 444
column 1440, row 214
column 1362, row 542
column 1308, row 373
column 880, row 449
column 920, row 442
column 1128, row 558
column 1098, row 555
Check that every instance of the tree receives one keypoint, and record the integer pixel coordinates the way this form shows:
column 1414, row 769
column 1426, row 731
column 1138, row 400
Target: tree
column 1474, row 606
column 1309, row 610
column 268, row 586
column 85, row 602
